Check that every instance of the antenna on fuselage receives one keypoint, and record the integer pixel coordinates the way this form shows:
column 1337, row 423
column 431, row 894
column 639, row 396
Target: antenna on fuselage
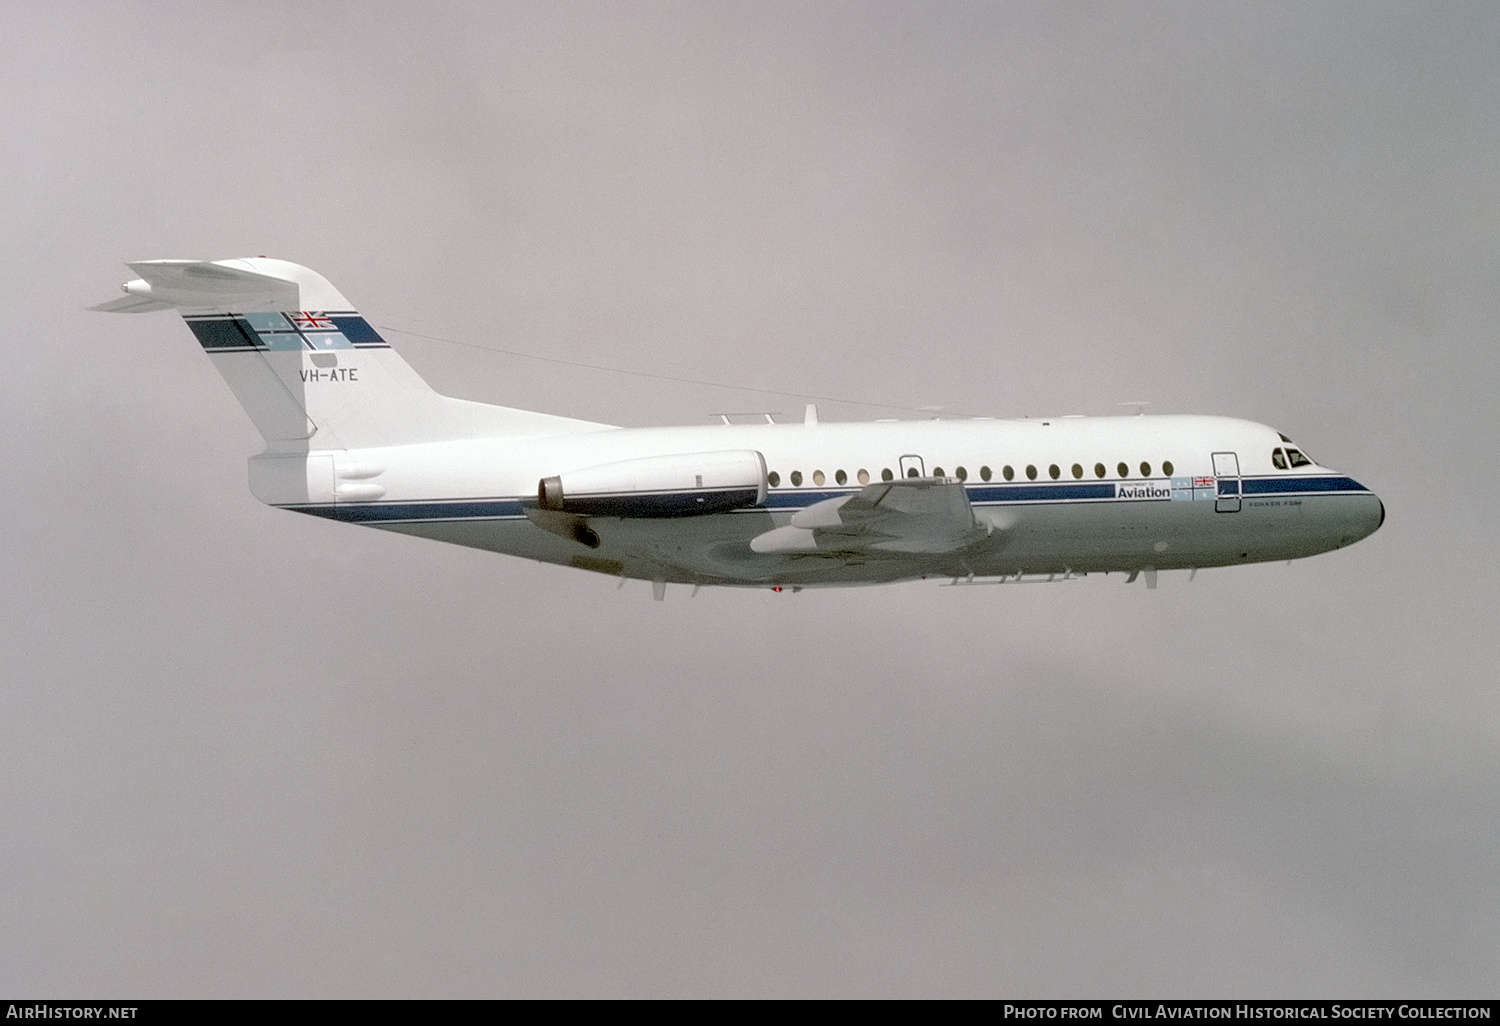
column 727, row 418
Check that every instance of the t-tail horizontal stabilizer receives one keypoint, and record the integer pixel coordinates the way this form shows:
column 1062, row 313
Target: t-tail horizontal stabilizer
column 225, row 286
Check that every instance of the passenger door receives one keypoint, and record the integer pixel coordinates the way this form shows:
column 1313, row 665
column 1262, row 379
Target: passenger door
column 1227, row 470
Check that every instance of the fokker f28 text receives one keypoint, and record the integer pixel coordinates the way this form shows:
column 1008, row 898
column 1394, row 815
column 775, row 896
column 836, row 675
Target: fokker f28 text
column 353, row 434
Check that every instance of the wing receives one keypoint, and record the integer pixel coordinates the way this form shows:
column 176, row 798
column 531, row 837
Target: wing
column 915, row 515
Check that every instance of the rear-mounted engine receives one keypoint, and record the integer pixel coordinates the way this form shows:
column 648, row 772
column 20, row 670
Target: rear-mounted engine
column 684, row 485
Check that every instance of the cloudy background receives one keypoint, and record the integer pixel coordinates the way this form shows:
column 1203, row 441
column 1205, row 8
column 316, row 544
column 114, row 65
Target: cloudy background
column 249, row 753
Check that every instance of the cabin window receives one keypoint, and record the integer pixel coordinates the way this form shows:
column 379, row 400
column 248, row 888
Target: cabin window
column 1030, row 472
column 1055, row 471
column 1124, row 470
column 796, row 479
column 1145, row 470
column 1166, row 467
column 1278, row 459
column 1296, row 459
column 863, row 476
column 886, row 475
column 818, row 477
column 1010, row 473
column 1099, row 470
column 911, row 471
column 938, row 472
column 984, row 473
column 961, row 473
column 774, row 479
column 1077, row 470
column 840, row 476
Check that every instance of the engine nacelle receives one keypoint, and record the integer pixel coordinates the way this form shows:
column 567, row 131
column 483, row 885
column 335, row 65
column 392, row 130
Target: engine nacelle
column 682, row 485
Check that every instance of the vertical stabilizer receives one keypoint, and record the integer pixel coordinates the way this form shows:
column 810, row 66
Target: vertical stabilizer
column 308, row 369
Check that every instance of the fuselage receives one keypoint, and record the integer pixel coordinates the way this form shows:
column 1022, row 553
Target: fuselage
column 1060, row 496
column 354, row 434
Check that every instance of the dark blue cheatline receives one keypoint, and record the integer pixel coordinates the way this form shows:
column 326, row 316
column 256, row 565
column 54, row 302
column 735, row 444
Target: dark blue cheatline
column 1282, row 485
column 390, row 512
column 801, row 500
column 1069, row 491
column 685, row 503
column 1066, row 492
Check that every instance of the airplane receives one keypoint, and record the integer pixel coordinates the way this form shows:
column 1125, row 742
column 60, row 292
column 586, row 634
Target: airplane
column 353, row 434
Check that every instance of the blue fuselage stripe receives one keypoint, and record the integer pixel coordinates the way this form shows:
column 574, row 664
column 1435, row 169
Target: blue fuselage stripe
column 986, row 495
column 1282, row 485
column 388, row 512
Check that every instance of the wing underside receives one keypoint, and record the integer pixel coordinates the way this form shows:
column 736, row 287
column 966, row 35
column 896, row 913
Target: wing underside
column 928, row 515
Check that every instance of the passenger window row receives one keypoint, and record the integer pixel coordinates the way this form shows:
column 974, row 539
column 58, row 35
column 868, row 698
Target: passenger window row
column 1008, row 472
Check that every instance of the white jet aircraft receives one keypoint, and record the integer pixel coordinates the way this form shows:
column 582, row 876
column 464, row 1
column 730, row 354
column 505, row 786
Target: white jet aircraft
column 353, row 434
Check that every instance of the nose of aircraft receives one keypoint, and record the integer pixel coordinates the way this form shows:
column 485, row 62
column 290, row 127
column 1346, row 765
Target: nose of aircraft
column 1363, row 519
column 1348, row 517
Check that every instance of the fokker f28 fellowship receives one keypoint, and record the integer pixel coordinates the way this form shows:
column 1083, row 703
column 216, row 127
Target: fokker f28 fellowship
column 353, row 434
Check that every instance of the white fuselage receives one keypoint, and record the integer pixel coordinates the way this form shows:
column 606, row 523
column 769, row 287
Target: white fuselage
column 354, row 434
column 1035, row 485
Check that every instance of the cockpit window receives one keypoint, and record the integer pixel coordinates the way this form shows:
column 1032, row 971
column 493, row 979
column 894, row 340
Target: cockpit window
column 1297, row 459
column 1284, row 438
column 1278, row 458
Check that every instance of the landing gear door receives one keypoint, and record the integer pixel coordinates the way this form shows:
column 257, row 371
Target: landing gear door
column 1227, row 470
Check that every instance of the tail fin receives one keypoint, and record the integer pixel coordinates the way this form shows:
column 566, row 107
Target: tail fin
column 304, row 363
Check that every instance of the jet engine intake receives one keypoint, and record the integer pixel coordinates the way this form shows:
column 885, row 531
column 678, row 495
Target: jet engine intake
column 682, row 485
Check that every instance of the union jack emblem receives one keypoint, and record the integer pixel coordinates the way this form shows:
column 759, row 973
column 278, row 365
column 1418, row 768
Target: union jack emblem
column 307, row 321
column 1203, row 482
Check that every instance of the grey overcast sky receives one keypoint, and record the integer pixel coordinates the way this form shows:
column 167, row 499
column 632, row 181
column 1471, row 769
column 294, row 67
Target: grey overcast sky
column 246, row 753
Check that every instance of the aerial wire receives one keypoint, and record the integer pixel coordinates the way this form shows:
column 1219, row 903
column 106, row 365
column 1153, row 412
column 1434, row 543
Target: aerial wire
column 930, row 410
